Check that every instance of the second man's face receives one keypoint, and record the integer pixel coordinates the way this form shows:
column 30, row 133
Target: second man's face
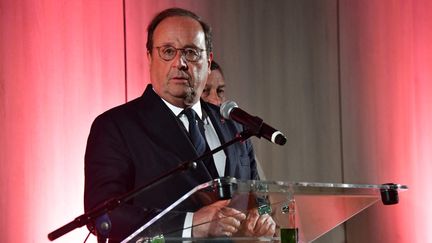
column 178, row 81
column 214, row 91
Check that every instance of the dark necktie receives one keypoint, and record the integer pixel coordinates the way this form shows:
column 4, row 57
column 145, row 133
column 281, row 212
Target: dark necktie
column 195, row 133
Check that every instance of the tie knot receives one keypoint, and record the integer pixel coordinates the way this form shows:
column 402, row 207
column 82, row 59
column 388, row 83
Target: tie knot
column 190, row 114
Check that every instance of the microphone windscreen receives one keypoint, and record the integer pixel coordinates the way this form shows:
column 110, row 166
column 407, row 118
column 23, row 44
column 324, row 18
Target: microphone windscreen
column 226, row 108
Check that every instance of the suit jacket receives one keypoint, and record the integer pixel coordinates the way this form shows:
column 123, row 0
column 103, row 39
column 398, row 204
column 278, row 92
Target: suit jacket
column 138, row 141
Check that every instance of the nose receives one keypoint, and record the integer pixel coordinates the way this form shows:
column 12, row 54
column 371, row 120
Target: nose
column 180, row 61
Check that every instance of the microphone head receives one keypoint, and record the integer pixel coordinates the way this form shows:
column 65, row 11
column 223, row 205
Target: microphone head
column 226, row 108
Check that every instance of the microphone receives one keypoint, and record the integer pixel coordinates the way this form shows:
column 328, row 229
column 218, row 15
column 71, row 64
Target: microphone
column 230, row 110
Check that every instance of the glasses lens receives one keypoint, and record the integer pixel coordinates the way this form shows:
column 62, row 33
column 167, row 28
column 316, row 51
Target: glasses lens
column 191, row 54
column 167, row 52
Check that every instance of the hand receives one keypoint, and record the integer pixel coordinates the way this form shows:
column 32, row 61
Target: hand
column 258, row 225
column 217, row 219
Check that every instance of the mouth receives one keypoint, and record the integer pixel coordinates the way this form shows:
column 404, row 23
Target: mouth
column 181, row 79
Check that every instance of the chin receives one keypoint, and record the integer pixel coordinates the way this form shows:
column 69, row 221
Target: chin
column 189, row 100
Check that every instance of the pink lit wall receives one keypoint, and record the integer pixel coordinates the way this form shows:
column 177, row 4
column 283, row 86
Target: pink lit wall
column 61, row 64
column 386, row 61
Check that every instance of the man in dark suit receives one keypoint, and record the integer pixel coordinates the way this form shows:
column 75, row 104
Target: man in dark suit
column 133, row 143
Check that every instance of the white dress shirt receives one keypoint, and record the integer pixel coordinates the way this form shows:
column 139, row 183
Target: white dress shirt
column 213, row 141
column 211, row 136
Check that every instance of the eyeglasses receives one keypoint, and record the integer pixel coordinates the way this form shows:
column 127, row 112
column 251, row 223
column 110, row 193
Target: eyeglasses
column 168, row 53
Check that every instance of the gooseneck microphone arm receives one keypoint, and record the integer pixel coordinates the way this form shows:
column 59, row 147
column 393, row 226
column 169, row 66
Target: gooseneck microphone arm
column 113, row 203
column 230, row 110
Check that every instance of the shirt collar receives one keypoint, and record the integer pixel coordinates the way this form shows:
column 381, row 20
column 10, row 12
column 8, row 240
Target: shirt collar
column 177, row 110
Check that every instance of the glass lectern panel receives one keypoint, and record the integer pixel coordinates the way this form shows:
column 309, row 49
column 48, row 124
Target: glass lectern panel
column 302, row 211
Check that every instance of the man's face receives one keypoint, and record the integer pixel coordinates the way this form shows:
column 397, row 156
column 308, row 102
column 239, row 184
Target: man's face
column 214, row 91
column 178, row 81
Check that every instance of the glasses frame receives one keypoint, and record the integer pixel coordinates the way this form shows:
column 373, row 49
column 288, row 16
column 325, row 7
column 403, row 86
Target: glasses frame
column 183, row 52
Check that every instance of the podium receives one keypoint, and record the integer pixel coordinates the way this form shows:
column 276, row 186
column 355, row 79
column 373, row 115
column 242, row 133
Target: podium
column 302, row 211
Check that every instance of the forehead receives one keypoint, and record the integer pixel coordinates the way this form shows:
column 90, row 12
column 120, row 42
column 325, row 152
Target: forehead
column 216, row 74
column 179, row 31
column 215, row 78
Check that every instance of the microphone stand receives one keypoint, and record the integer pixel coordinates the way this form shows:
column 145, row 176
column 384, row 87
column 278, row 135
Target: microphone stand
column 115, row 202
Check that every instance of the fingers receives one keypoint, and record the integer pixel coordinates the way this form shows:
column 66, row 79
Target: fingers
column 230, row 221
column 204, row 219
column 259, row 225
column 220, row 220
column 217, row 219
column 231, row 212
column 220, row 203
column 265, row 226
column 226, row 228
column 251, row 221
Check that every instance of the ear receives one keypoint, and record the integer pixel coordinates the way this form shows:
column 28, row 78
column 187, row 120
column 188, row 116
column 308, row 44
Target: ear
column 149, row 58
column 209, row 60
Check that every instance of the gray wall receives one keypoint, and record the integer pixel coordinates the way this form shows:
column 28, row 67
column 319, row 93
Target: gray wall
column 280, row 60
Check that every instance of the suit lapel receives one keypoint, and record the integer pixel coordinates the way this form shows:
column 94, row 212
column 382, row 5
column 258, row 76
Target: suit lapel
column 168, row 132
column 222, row 130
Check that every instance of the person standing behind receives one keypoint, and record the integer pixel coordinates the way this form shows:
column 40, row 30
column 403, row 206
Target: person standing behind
column 214, row 91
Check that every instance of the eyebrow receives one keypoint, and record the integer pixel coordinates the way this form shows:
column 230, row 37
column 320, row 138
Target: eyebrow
column 185, row 46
